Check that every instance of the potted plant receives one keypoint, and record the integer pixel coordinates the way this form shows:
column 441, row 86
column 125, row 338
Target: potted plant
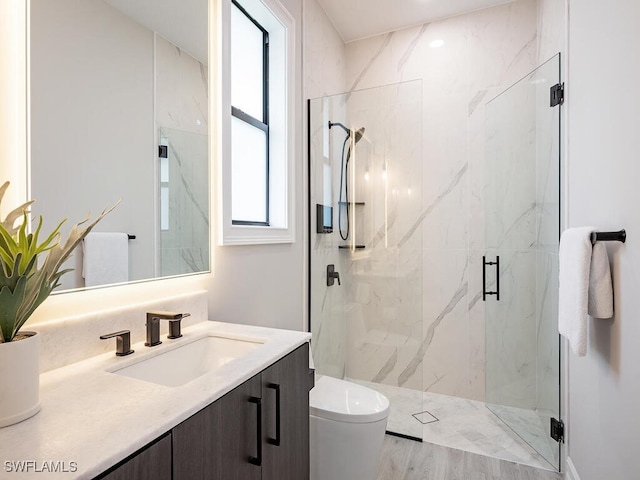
column 30, row 268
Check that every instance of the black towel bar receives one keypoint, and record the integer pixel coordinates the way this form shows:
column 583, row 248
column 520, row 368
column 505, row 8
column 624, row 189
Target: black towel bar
column 620, row 236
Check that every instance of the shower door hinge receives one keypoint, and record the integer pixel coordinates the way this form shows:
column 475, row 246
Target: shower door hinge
column 557, row 430
column 163, row 151
column 557, row 94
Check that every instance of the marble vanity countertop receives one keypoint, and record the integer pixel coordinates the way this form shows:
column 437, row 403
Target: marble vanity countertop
column 91, row 419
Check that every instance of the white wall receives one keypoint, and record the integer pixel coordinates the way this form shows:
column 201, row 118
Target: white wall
column 604, row 169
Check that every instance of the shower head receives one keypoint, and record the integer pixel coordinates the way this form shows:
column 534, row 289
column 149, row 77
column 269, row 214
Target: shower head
column 358, row 133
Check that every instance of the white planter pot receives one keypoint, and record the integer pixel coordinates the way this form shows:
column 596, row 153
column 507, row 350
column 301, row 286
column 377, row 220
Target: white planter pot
column 19, row 379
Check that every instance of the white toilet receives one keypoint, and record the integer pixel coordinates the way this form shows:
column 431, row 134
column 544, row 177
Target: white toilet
column 347, row 424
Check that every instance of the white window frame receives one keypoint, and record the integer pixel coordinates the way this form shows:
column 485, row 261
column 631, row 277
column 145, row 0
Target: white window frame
column 281, row 27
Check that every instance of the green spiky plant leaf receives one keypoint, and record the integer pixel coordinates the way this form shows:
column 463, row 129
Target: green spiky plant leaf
column 24, row 284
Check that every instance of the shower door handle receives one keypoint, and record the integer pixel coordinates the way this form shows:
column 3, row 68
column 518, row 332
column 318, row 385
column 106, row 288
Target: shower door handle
column 484, row 278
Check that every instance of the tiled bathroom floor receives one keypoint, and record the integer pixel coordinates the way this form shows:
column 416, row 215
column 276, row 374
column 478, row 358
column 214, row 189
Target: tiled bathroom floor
column 456, row 423
column 533, row 426
column 403, row 459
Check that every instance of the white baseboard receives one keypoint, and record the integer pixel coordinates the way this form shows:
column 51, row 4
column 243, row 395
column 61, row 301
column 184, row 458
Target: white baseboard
column 571, row 472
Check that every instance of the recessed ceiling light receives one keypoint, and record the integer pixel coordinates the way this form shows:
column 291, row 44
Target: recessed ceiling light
column 436, row 43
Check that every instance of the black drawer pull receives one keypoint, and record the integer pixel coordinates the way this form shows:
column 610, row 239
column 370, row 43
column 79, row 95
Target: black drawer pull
column 276, row 441
column 257, row 460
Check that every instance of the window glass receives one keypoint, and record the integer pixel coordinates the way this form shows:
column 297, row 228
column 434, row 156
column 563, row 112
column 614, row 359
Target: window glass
column 247, row 65
column 249, row 176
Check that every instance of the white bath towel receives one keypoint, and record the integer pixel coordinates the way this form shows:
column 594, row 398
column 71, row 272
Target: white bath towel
column 106, row 258
column 585, row 285
column 600, row 285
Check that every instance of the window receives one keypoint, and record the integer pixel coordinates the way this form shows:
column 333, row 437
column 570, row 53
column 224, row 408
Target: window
column 250, row 119
column 256, row 140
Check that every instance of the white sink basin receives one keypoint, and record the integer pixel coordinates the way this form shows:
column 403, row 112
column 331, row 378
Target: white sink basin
column 189, row 361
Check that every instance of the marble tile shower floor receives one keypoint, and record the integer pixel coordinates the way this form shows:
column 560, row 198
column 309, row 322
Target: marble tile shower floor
column 454, row 422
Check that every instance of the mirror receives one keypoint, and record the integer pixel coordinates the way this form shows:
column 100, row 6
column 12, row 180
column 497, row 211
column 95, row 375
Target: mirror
column 119, row 110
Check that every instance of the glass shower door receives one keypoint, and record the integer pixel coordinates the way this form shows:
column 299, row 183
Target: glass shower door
column 522, row 209
column 365, row 196
column 328, row 304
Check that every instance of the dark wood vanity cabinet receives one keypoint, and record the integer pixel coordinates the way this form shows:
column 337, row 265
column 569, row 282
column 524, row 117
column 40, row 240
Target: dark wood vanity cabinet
column 259, row 430
column 218, row 441
column 153, row 462
column 286, row 457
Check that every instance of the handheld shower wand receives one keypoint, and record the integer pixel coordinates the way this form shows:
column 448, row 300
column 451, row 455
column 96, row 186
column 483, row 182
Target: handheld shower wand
column 344, row 173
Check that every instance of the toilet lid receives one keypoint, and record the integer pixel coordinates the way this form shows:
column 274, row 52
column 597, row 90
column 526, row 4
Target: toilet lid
column 344, row 401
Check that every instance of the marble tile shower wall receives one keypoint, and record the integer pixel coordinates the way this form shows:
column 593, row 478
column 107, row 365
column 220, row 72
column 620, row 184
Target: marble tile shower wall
column 182, row 122
column 324, row 54
column 484, row 52
column 185, row 237
column 384, row 337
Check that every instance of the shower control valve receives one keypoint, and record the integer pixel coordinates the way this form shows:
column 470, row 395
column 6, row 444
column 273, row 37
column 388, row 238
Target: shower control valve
column 332, row 275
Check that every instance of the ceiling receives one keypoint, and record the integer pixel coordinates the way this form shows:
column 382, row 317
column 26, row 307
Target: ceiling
column 356, row 19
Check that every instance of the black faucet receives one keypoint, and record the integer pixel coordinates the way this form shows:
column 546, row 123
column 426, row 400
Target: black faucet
column 153, row 326
column 123, row 342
